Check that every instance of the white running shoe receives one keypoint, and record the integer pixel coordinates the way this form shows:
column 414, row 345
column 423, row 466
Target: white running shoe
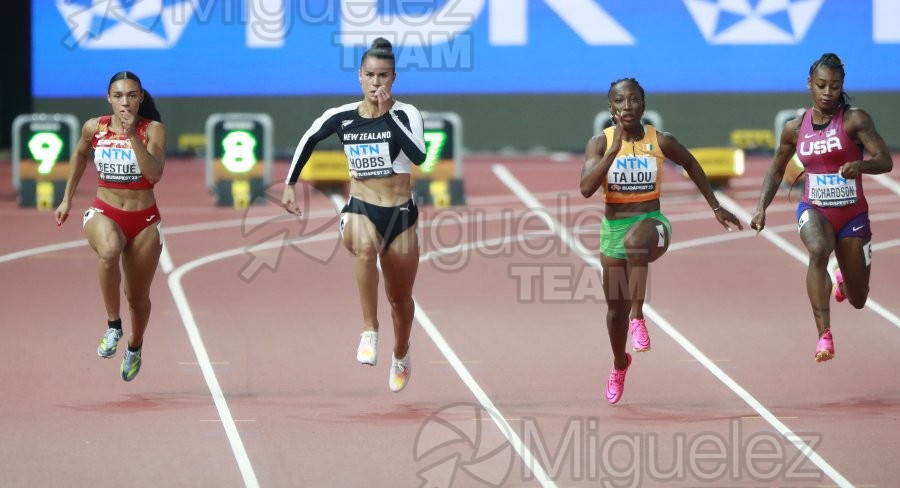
column 401, row 369
column 367, row 352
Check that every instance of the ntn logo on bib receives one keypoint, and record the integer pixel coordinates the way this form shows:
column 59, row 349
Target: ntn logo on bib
column 831, row 190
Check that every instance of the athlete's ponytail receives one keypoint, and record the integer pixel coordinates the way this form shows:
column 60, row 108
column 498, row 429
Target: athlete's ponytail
column 148, row 108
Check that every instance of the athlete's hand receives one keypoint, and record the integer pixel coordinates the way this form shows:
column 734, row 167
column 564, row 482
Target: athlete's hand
column 128, row 120
column 385, row 100
column 851, row 170
column 615, row 145
column 62, row 212
column 725, row 218
column 289, row 200
column 758, row 222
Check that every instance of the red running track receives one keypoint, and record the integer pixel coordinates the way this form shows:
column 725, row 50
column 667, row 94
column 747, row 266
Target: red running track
column 250, row 379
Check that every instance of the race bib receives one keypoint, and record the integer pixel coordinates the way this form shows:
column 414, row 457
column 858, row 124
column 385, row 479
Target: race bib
column 117, row 164
column 831, row 190
column 369, row 160
column 632, row 174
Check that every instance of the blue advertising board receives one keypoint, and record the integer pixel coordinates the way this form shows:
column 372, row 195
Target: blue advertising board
column 312, row 47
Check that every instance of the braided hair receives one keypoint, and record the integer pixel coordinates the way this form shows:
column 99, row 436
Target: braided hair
column 833, row 62
column 609, row 93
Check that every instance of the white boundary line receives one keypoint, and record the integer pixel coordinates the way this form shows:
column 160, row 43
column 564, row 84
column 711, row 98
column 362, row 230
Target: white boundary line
column 209, row 374
column 221, row 404
column 887, row 182
column 510, row 181
column 218, row 396
column 798, row 254
column 428, row 326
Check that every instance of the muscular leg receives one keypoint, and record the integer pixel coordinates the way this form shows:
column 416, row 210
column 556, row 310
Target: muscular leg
column 818, row 237
column 399, row 264
column 363, row 241
column 107, row 240
column 617, row 293
column 855, row 267
column 139, row 262
column 645, row 242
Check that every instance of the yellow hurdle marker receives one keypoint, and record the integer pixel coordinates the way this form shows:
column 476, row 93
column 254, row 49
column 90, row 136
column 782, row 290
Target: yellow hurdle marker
column 240, row 193
column 440, row 194
column 44, row 195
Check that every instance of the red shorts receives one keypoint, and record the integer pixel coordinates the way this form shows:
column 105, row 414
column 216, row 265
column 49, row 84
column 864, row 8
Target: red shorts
column 132, row 222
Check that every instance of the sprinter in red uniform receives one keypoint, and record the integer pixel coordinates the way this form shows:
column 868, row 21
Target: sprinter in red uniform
column 830, row 140
column 122, row 224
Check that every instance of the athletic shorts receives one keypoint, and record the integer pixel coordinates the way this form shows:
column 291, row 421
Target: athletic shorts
column 612, row 232
column 132, row 222
column 846, row 221
column 390, row 222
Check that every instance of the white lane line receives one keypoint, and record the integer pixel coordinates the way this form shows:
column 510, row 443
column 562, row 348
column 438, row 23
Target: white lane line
column 510, row 181
column 209, row 374
column 798, row 254
column 528, row 458
column 218, row 395
column 206, row 367
column 887, row 182
column 165, row 259
column 25, row 253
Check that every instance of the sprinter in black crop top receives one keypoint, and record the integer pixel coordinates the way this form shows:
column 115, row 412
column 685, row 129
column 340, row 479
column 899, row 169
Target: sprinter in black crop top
column 382, row 139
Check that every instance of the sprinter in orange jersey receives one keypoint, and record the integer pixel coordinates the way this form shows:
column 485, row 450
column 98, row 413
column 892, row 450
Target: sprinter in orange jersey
column 625, row 161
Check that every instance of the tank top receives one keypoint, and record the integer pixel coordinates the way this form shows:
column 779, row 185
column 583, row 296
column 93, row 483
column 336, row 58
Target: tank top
column 635, row 175
column 114, row 158
column 822, row 153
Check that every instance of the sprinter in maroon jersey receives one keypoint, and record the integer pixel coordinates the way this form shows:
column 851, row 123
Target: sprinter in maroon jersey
column 830, row 140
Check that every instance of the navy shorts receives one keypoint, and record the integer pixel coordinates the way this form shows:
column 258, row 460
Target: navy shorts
column 844, row 224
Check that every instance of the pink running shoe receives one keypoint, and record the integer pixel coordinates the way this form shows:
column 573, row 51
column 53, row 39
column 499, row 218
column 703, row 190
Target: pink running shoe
column 825, row 349
column 838, row 280
column 616, row 384
column 640, row 339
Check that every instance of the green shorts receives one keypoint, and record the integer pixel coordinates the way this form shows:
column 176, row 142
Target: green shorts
column 612, row 232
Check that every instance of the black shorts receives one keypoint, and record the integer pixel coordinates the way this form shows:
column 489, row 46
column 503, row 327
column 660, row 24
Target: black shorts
column 390, row 222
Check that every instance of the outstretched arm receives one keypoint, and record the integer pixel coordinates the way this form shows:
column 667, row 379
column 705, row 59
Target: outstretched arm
column 77, row 164
column 321, row 128
column 775, row 173
column 677, row 153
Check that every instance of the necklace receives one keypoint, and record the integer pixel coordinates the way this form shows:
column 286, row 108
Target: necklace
column 634, row 142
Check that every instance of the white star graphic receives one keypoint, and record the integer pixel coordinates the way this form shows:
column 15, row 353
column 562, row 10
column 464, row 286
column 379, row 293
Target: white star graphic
column 753, row 27
column 108, row 24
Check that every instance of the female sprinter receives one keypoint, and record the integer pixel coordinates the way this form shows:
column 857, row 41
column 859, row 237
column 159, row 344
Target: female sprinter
column 122, row 224
column 833, row 214
column 626, row 162
column 382, row 138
